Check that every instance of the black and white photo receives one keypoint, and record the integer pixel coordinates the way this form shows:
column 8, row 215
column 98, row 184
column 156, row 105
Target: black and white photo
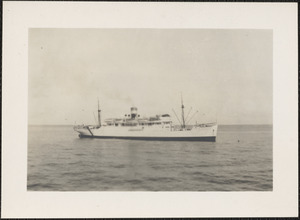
column 149, row 109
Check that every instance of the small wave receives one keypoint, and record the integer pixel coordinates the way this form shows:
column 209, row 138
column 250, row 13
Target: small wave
column 135, row 181
column 93, row 172
column 230, row 181
column 79, row 154
column 268, row 187
column 207, row 165
column 75, row 163
column 34, row 185
column 196, row 173
column 71, row 174
column 159, row 179
column 95, row 179
column 51, row 164
column 44, row 187
column 156, row 167
column 242, row 181
column 119, row 166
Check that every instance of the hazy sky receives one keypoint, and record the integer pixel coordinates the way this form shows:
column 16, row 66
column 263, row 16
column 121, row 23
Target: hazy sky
column 224, row 74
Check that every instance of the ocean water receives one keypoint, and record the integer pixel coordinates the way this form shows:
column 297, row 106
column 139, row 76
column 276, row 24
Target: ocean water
column 240, row 160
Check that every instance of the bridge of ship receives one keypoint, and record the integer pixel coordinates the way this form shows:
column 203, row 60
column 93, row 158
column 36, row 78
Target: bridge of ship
column 158, row 120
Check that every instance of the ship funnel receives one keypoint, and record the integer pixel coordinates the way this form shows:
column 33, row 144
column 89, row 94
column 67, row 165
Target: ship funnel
column 133, row 112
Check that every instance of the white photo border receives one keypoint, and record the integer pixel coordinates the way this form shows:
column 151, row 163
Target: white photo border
column 18, row 17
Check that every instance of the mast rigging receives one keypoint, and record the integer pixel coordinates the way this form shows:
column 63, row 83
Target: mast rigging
column 177, row 117
column 193, row 116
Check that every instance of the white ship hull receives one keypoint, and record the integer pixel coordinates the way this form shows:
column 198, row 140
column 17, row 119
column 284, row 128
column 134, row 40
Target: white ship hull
column 195, row 133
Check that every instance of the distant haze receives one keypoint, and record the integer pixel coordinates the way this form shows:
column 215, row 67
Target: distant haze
column 224, row 74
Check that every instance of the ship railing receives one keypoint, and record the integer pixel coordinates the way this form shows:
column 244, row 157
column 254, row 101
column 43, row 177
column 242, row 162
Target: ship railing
column 85, row 126
column 205, row 124
column 78, row 127
column 182, row 129
column 190, row 127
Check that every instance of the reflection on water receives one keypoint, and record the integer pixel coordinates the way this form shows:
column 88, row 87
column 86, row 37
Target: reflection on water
column 240, row 160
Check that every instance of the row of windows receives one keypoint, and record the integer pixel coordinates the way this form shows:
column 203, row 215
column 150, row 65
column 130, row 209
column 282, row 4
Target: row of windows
column 135, row 124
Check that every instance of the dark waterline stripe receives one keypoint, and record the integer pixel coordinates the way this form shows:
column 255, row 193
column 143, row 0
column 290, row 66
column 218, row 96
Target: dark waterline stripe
column 208, row 139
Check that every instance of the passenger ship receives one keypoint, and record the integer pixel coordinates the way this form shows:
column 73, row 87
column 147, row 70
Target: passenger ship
column 159, row 127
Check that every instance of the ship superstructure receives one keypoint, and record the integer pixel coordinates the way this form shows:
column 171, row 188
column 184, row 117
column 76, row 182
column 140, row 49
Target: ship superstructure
column 159, row 127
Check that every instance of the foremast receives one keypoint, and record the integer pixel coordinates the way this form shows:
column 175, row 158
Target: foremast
column 184, row 120
column 182, row 112
column 99, row 115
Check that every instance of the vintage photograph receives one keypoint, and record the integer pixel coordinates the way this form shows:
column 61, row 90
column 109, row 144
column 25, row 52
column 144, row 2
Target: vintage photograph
column 141, row 109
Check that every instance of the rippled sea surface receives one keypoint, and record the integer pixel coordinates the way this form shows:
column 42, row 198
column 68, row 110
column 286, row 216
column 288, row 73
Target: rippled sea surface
column 240, row 160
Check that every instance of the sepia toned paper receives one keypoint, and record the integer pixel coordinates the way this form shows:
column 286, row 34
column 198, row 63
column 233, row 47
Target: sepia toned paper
column 22, row 19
